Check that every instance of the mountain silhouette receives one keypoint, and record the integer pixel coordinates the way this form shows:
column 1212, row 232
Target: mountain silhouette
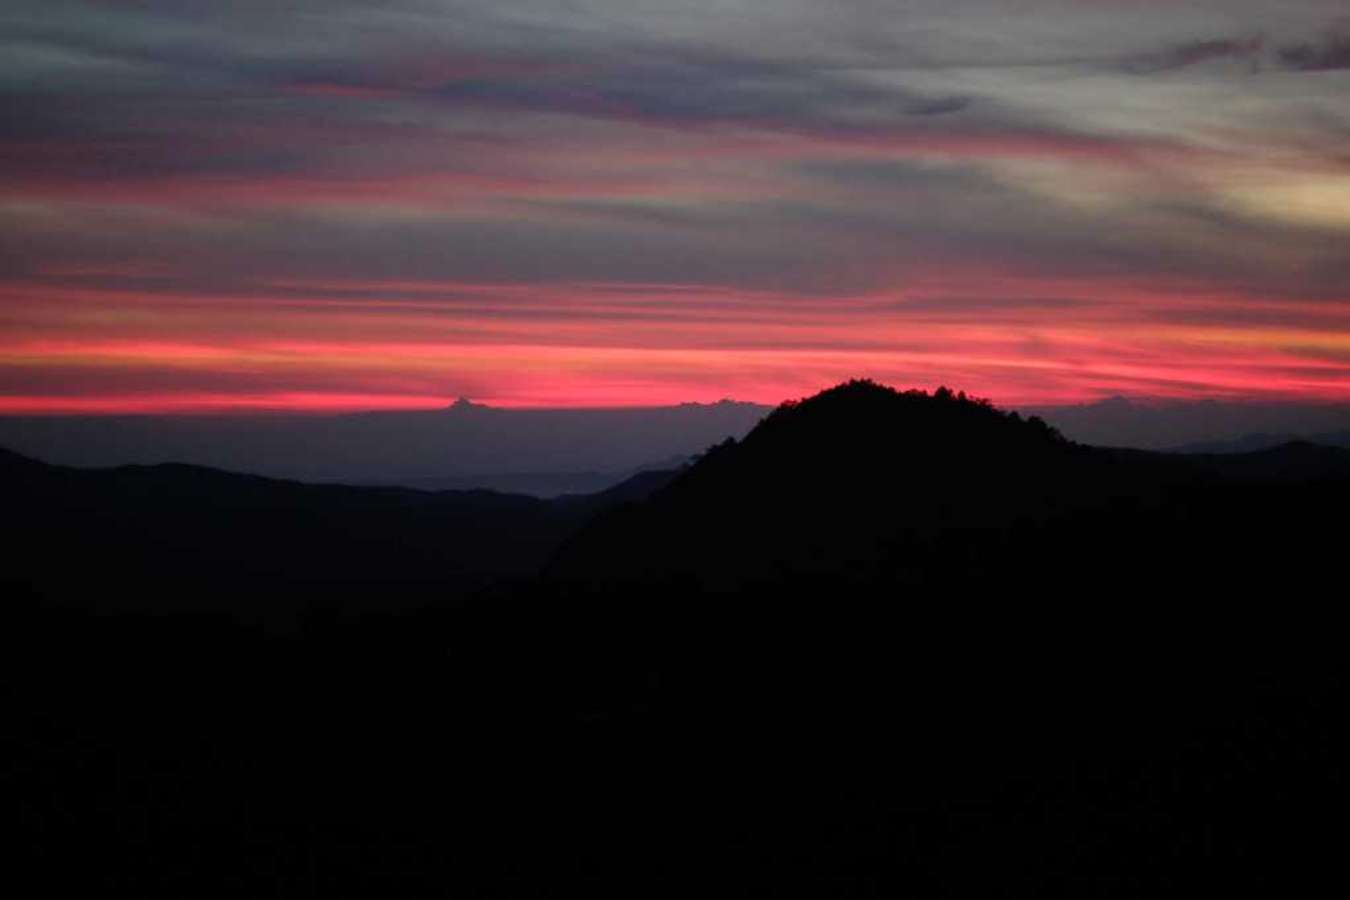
column 865, row 485
column 179, row 538
column 1256, row 441
column 466, row 444
column 889, row 644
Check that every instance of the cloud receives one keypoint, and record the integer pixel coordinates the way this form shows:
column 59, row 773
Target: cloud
column 1332, row 53
column 835, row 184
column 1195, row 53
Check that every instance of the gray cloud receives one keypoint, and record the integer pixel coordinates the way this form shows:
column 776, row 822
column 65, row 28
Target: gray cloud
column 1195, row 53
column 174, row 98
column 1329, row 54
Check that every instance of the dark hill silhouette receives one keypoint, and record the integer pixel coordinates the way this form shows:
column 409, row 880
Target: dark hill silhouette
column 891, row 644
column 1262, row 440
column 1295, row 462
column 179, row 538
column 865, row 484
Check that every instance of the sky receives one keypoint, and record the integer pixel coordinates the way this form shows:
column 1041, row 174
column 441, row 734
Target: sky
column 324, row 206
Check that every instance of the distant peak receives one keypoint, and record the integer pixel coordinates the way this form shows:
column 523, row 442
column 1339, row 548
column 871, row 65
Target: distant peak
column 724, row 403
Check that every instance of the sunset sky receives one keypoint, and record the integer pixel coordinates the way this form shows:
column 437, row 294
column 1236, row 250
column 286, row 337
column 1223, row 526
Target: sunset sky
column 281, row 204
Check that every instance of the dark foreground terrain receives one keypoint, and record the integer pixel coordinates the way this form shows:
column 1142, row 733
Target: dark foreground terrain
column 890, row 644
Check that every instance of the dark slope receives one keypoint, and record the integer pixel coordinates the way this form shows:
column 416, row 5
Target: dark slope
column 177, row 538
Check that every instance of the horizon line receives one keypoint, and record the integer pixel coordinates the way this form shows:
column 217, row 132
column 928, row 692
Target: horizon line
column 322, row 404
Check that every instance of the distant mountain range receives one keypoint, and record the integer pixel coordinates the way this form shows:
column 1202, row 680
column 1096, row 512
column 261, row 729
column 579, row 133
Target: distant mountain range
column 1166, row 424
column 544, row 452
column 860, row 485
column 548, row 452
column 1251, row 443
